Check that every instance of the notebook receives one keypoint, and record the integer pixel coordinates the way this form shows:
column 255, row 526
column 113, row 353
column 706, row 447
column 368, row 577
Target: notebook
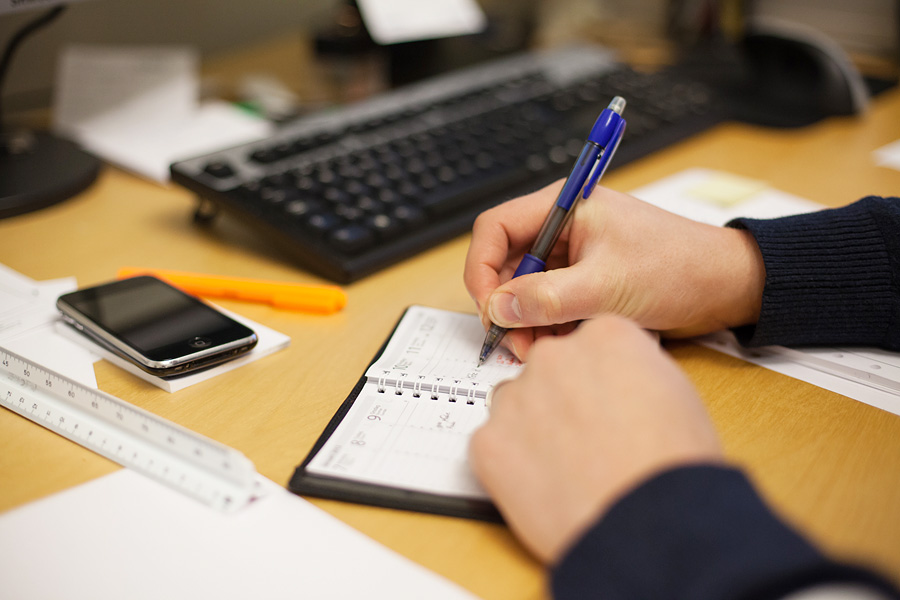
column 401, row 437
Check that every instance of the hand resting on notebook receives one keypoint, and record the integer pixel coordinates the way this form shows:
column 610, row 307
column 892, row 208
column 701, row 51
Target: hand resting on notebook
column 621, row 411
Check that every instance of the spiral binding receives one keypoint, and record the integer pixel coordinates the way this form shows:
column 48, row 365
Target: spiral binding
column 430, row 387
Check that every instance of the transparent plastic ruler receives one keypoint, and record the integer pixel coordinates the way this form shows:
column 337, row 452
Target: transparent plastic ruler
column 195, row 465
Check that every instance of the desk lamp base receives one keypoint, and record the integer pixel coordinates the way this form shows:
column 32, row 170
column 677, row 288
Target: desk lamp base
column 38, row 170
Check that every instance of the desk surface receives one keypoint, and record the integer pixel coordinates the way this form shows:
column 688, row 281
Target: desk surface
column 827, row 463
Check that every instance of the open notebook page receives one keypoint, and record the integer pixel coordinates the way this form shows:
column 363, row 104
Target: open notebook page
column 410, row 425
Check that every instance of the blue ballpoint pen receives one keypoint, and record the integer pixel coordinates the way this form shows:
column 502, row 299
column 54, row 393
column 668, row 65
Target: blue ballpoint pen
column 598, row 150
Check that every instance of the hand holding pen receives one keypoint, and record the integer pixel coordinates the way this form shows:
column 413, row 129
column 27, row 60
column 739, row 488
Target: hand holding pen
column 598, row 150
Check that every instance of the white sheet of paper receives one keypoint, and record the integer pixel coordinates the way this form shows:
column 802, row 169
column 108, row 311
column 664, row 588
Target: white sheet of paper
column 269, row 341
column 104, row 89
column 689, row 194
column 126, row 536
column 25, row 303
column 395, row 21
column 27, row 317
column 138, row 107
column 868, row 375
column 211, row 127
column 724, row 342
column 888, row 155
column 46, row 347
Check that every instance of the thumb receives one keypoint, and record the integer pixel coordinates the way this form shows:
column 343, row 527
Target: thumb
column 547, row 298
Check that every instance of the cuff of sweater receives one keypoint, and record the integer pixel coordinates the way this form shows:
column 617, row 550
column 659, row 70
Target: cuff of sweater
column 828, row 278
column 695, row 533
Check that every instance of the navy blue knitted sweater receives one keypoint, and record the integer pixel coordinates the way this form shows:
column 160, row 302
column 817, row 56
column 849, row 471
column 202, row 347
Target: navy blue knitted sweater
column 702, row 532
column 832, row 277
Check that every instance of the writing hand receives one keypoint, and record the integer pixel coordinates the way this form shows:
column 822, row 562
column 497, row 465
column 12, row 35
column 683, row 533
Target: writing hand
column 617, row 255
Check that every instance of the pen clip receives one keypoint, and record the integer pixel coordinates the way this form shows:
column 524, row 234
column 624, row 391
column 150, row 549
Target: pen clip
column 603, row 160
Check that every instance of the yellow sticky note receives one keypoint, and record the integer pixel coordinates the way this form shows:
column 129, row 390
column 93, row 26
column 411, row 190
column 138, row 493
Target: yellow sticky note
column 725, row 189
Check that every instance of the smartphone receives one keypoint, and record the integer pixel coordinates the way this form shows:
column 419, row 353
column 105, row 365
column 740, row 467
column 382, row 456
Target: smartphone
column 156, row 326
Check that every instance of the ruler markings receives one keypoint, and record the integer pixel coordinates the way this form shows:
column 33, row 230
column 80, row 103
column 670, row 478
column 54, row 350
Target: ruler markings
column 133, row 437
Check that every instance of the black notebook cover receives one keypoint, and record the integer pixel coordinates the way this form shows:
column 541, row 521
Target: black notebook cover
column 309, row 484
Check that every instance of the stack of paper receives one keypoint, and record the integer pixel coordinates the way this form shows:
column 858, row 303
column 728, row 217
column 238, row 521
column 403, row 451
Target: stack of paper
column 139, row 107
column 27, row 325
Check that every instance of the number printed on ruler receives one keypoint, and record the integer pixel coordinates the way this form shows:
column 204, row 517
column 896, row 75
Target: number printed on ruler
column 126, row 434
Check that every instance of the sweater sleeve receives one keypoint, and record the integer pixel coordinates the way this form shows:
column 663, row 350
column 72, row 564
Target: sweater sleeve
column 698, row 533
column 832, row 277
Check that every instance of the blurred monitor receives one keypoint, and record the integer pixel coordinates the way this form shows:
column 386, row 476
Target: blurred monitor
column 789, row 63
column 865, row 29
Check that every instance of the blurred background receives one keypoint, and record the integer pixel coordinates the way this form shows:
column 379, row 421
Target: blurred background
column 643, row 31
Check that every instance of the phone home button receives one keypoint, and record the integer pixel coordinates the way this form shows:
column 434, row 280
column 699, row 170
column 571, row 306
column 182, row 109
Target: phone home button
column 199, row 342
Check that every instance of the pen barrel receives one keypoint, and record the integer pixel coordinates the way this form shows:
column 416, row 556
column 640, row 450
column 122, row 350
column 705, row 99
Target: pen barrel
column 550, row 231
column 574, row 186
column 529, row 264
column 565, row 203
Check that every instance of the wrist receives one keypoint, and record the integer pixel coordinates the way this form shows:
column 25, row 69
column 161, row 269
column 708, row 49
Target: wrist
column 745, row 282
column 723, row 282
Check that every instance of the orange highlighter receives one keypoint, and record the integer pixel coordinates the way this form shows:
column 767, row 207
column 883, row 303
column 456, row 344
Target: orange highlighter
column 321, row 299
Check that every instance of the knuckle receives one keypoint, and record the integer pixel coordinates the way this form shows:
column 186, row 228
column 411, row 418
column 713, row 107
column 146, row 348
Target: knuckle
column 485, row 219
column 480, row 221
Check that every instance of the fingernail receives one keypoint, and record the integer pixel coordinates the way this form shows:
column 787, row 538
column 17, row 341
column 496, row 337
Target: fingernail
column 505, row 309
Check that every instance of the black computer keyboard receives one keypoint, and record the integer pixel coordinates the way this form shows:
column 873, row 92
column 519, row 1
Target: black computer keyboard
column 349, row 191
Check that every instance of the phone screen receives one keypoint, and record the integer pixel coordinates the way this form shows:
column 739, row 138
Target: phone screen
column 158, row 320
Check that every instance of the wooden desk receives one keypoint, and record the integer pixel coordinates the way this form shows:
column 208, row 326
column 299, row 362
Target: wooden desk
column 827, row 463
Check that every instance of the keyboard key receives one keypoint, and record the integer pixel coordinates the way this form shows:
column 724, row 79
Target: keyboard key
column 303, row 207
column 320, row 224
column 219, row 169
column 350, row 213
column 384, row 226
column 410, row 216
column 369, row 204
column 351, row 239
column 265, row 156
column 336, row 195
column 277, row 195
